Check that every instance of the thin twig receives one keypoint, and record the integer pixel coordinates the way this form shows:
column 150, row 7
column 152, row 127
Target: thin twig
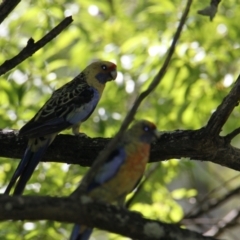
column 229, row 221
column 128, row 119
column 220, row 116
column 232, row 135
column 6, row 7
column 148, row 174
column 210, row 10
column 32, row 47
column 208, row 195
column 214, row 204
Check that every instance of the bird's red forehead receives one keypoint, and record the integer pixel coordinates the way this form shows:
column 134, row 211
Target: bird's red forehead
column 149, row 124
column 152, row 125
column 112, row 66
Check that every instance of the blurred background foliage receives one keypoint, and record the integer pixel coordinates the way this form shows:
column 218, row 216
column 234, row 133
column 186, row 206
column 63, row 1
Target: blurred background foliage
column 136, row 35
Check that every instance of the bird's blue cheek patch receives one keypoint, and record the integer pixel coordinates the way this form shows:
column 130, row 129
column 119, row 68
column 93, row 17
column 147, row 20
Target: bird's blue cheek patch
column 147, row 138
column 102, row 77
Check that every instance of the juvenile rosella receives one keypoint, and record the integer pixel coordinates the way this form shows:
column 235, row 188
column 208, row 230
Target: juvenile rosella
column 121, row 171
column 68, row 107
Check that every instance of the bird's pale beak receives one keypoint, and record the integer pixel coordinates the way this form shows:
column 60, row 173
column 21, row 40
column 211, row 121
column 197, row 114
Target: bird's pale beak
column 114, row 74
column 157, row 134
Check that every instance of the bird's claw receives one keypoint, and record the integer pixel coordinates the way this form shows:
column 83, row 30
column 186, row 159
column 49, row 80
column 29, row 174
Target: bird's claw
column 82, row 135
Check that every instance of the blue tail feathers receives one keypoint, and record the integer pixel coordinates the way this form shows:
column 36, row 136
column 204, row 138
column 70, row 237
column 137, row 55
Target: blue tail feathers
column 80, row 234
column 25, row 169
column 24, row 161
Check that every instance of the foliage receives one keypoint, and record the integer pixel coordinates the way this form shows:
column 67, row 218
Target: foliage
column 136, row 35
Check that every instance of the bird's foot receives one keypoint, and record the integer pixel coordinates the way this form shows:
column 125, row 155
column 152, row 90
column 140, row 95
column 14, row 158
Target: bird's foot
column 137, row 214
column 82, row 135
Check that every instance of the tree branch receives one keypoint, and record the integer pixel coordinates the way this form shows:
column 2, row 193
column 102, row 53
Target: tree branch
column 83, row 151
column 92, row 214
column 227, row 222
column 210, row 195
column 233, row 134
column 6, row 7
column 194, row 144
column 213, row 204
column 140, row 186
column 220, row 116
column 211, row 10
column 75, row 150
column 32, row 47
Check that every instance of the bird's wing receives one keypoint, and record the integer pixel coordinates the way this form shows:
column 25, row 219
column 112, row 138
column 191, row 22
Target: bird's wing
column 108, row 170
column 69, row 105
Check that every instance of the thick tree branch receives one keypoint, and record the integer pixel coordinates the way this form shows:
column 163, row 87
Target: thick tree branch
column 6, row 7
column 193, row 144
column 93, row 214
column 32, row 47
column 202, row 144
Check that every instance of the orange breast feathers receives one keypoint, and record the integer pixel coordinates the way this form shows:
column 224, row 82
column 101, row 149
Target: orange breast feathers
column 127, row 176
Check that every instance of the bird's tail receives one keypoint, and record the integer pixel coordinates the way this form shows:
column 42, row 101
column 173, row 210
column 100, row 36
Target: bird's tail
column 80, row 232
column 19, row 170
column 26, row 166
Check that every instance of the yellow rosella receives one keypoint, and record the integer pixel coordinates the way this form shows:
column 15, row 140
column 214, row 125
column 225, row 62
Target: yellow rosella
column 121, row 171
column 68, row 107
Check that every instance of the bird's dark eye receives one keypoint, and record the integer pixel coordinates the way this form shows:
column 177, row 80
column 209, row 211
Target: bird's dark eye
column 104, row 67
column 146, row 128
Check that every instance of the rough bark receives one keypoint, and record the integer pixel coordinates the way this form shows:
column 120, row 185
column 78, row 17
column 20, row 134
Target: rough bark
column 84, row 210
column 204, row 144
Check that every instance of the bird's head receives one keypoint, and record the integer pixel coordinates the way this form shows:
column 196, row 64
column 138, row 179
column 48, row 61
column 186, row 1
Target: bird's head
column 101, row 72
column 144, row 130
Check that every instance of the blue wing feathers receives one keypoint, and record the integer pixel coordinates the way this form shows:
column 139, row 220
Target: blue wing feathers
column 40, row 130
column 75, row 232
column 81, row 113
column 56, row 116
column 106, row 172
column 109, row 168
